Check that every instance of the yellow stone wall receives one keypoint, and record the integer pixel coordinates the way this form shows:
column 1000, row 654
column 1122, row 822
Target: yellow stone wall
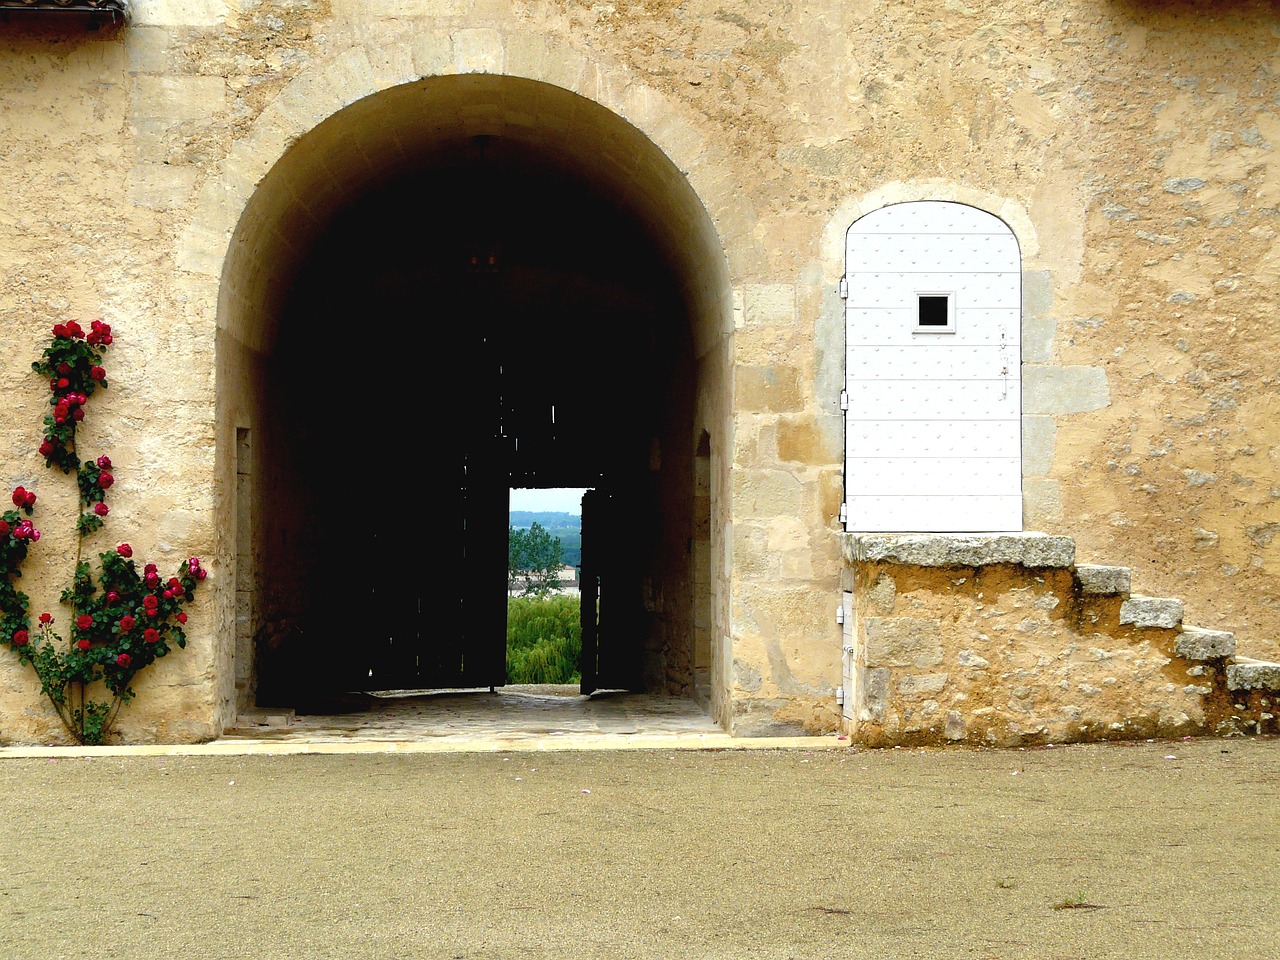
column 1129, row 146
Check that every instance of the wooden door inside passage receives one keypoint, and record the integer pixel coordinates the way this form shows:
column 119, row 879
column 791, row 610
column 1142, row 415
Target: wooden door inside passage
column 933, row 371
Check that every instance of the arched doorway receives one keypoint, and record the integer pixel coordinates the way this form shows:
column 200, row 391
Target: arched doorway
column 447, row 289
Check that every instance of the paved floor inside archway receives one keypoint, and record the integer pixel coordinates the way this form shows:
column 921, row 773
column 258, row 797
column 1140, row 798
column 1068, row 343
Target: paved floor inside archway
column 514, row 715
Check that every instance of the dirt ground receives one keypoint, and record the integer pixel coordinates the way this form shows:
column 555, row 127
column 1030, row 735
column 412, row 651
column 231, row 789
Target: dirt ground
column 1162, row 849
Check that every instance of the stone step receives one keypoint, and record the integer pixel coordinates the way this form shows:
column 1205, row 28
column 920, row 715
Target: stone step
column 1196, row 643
column 1163, row 612
column 1098, row 579
column 268, row 718
column 1249, row 674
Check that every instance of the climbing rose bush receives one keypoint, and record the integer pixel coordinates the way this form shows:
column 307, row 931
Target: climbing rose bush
column 105, row 648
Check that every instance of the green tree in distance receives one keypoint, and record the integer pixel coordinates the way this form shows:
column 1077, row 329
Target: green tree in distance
column 534, row 558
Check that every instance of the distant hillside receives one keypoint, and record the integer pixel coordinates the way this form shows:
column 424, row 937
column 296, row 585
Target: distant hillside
column 549, row 519
column 566, row 526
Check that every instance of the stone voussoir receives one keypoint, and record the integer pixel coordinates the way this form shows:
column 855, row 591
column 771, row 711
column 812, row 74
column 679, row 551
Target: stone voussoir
column 1253, row 675
column 1163, row 612
column 1097, row 579
column 961, row 550
column 1195, row 643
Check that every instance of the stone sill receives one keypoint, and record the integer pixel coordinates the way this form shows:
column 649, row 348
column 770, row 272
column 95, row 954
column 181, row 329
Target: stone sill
column 959, row 549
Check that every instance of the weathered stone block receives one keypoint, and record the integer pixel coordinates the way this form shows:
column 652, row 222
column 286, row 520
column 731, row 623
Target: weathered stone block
column 1039, row 438
column 916, row 684
column 960, row 550
column 1061, row 390
column 774, row 388
column 1193, row 643
column 1163, row 612
column 1253, row 675
column 769, row 303
column 1097, row 579
column 902, row 642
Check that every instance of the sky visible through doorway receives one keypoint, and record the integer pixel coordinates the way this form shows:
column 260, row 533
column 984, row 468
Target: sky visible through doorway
column 556, row 499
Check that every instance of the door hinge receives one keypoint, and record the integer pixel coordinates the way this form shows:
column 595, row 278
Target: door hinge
column 844, row 399
column 844, row 513
column 844, row 288
column 840, row 614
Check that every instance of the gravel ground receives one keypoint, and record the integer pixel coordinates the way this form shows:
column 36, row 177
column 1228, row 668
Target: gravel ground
column 1159, row 849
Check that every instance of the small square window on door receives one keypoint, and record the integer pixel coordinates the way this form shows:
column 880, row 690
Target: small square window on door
column 935, row 312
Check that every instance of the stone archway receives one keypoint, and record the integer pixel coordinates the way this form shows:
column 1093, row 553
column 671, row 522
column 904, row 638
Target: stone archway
column 493, row 205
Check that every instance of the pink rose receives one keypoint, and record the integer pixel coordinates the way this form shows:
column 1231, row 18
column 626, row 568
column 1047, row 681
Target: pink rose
column 105, row 480
column 104, row 462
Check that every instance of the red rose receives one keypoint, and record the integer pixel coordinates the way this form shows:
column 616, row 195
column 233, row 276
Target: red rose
column 77, row 414
column 46, row 448
column 201, row 574
column 112, row 596
column 126, row 623
column 74, row 329
column 63, row 383
column 123, row 661
column 153, row 613
column 59, row 329
column 152, row 580
column 125, row 550
column 97, row 373
column 174, row 583
column 4, row 528
column 20, row 638
column 83, row 644
column 84, row 621
column 64, row 368
column 106, row 339
column 182, row 618
column 46, row 618
column 104, row 462
column 19, row 496
column 149, row 602
column 101, row 509
column 105, row 479
column 149, row 568
column 151, row 635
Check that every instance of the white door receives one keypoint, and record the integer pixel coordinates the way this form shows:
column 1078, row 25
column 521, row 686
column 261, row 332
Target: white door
column 933, row 435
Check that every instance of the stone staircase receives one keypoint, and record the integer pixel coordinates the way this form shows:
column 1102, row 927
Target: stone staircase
column 1253, row 685
column 1005, row 639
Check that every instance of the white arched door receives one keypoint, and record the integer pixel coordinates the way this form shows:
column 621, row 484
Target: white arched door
column 933, row 432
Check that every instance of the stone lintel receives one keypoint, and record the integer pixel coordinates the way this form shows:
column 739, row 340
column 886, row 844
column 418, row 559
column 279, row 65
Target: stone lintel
column 960, row 550
column 1095, row 578
column 1253, row 675
column 1163, row 612
column 1194, row 643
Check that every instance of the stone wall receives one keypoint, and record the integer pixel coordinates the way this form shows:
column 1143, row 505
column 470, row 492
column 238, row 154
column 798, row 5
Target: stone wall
column 1130, row 147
